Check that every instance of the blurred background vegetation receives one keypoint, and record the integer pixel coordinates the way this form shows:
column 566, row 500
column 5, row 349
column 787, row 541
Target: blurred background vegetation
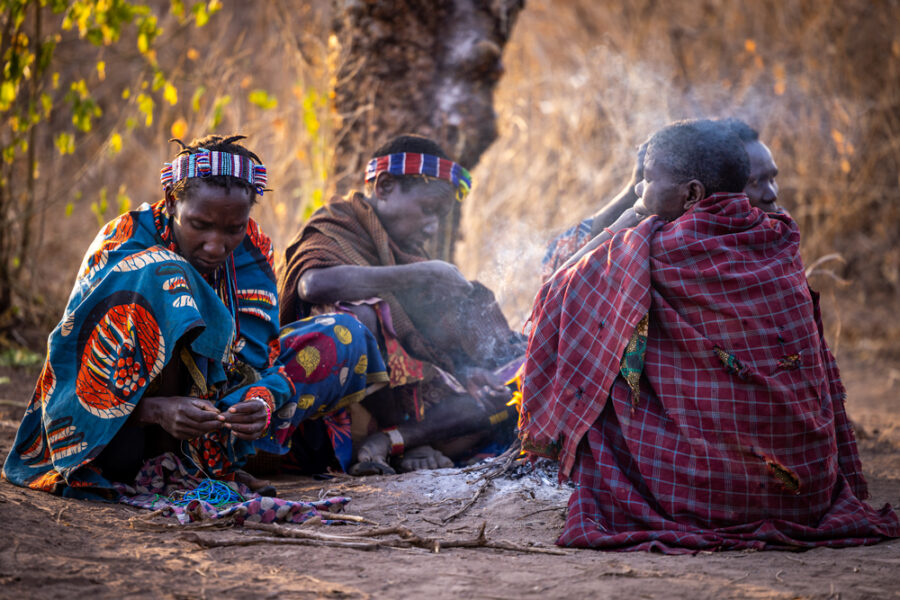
column 85, row 127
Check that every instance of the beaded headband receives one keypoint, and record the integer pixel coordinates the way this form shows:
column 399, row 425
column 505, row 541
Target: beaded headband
column 410, row 163
column 208, row 163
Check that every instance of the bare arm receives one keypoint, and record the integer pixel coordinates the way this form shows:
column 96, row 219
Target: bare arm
column 624, row 200
column 352, row 282
column 628, row 219
column 614, row 209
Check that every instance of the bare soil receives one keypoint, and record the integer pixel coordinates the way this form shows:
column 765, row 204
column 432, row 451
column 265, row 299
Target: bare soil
column 57, row 548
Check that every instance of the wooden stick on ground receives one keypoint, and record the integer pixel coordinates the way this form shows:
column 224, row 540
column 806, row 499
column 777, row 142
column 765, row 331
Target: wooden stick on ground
column 345, row 517
column 210, row 524
column 493, row 470
column 296, row 533
column 363, row 540
column 206, row 542
column 468, row 504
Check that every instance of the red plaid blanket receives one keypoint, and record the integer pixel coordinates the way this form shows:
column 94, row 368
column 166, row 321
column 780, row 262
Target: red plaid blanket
column 739, row 437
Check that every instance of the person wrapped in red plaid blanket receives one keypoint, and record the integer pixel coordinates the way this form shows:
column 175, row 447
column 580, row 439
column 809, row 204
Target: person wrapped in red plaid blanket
column 679, row 373
column 761, row 190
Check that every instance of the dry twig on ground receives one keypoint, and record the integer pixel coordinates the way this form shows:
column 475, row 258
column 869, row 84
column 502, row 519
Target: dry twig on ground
column 345, row 517
column 492, row 470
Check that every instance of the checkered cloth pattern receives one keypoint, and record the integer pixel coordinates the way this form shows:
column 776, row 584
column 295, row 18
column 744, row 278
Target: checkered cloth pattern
column 739, row 438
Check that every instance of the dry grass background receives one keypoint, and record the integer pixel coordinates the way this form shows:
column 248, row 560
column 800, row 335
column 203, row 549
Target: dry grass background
column 585, row 82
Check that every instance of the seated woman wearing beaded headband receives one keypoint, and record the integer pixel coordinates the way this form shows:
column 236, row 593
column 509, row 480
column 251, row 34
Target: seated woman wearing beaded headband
column 170, row 342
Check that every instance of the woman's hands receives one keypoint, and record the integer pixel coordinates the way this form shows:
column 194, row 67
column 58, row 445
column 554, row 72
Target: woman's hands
column 486, row 387
column 183, row 417
column 248, row 419
column 186, row 418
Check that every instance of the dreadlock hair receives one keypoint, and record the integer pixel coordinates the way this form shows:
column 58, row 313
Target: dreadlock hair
column 739, row 128
column 215, row 143
column 704, row 150
column 409, row 142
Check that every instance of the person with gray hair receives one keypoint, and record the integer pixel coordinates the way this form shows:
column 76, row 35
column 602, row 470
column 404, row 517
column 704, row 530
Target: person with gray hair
column 679, row 374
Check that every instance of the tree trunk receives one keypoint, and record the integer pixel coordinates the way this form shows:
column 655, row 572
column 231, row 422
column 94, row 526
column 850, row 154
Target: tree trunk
column 421, row 66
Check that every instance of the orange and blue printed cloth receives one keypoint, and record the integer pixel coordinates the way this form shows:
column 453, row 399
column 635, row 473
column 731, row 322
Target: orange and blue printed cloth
column 134, row 300
column 736, row 435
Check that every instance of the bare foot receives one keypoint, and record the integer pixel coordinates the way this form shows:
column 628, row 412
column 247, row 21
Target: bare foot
column 423, row 457
column 371, row 459
column 260, row 486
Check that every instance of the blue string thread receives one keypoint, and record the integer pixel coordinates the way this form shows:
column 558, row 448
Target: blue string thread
column 212, row 491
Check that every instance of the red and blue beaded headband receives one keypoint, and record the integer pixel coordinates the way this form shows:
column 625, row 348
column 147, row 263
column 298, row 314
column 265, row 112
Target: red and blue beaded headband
column 411, row 163
column 208, row 163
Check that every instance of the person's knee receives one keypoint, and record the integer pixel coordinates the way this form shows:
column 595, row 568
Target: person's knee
column 361, row 319
column 350, row 321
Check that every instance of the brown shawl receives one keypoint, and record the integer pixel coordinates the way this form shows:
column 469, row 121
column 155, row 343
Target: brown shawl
column 443, row 329
column 348, row 232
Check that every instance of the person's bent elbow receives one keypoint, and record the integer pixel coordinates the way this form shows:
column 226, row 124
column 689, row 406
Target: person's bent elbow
column 313, row 287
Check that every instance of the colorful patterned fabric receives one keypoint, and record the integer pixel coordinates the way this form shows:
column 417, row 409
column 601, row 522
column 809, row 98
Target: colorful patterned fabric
column 134, row 300
column 716, row 454
column 208, row 163
column 412, row 163
column 564, row 246
column 333, row 362
column 163, row 480
column 424, row 340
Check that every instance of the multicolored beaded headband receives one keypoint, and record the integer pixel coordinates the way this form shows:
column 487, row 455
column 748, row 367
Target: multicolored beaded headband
column 207, row 163
column 411, row 163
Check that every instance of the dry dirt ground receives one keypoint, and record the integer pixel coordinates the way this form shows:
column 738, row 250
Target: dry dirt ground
column 56, row 548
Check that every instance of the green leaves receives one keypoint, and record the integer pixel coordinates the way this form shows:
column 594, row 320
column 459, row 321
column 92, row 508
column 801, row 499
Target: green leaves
column 98, row 22
column 115, row 143
column 8, row 91
column 99, row 207
column 145, row 104
column 170, row 93
column 65, row 143
column 201, row 15
column 202, row 12
column 195, row 99
column 262, row 99
column 20, row 357
column 101, row 21
column 47, row 105
column 219, row 109
column 147, row 32
column 312, row 103
column 36, row 86
column 84, row 107
column 123, row 200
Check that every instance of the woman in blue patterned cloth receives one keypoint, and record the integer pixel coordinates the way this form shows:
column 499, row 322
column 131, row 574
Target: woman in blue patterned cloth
column 170, row 343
